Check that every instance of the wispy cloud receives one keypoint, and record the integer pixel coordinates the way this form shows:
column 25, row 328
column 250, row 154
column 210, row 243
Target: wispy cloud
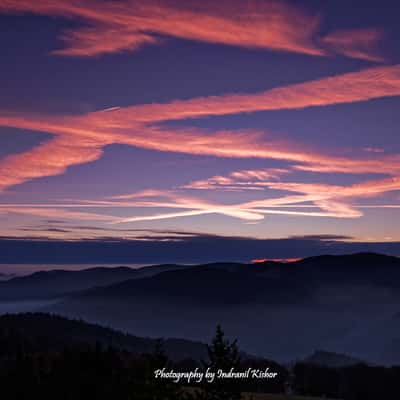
column 192, row 206
column 247, row 211
column 310, row 200
column 356, row 43
column 110, row 27
column 238, row 180
column 47, row 159
column 363, row 85
column 364, row 189
column 80, row 138
column 331, row 200
column 128, row 25
column 40, row 210
column 370, row 149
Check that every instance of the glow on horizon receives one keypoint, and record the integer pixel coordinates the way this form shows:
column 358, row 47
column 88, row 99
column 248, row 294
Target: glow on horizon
column 283, row 260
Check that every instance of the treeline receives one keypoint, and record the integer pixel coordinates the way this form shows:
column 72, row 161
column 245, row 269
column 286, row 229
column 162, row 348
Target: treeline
column 47, row 367
column 35, row 362
column 357, row 382
column 36, row 332
column 78, row 373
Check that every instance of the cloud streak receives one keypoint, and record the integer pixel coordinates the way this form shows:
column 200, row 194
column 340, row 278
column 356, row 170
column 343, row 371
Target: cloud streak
column 332, row 200
column 247, row 211
column 309, row 200
column 110, row 27
column 50, row 158
column 54, row 212
column 355, row 43
column 363, row 85
column 80, row 138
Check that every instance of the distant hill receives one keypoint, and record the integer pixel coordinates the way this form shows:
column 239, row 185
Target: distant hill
column 281, row 311
column 371, row 268
column 331, row 360
column 6, row 277
column 202, row 285
column 355, row 268
column 40, row 332
column 59, row 283
column 266, row 283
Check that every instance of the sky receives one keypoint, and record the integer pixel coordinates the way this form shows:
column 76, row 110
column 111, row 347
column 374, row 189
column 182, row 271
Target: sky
column 156, row 121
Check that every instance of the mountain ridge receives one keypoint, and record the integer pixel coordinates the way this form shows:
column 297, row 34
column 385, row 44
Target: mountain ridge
column 289, row 309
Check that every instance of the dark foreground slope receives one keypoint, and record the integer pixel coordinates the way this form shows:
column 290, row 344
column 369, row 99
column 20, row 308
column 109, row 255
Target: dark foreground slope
column 48, row 357
column 282, row 311
column 44, row 356
column 40, row 332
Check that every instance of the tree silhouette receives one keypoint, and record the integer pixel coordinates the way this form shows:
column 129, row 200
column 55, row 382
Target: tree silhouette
column 147, row 387
column 223, row 355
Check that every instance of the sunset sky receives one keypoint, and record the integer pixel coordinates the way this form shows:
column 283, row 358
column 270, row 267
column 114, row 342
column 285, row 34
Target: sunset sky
column 155, row 119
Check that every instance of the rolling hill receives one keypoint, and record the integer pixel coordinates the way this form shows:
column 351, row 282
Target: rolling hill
column 281, row 311
column 59, row 283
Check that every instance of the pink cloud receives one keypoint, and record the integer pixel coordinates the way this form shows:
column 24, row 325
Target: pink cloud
column 47, row 159
column 374, row 149
column 128, row 25
column 248, row 211
column 355, row 43
column 312, row 200
column 80, row 138
column 238, row 180
column 363, row 85
column 39, row 210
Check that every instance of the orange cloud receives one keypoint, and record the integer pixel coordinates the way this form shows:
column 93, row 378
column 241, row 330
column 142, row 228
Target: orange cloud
column 87, row 42
column 50, row 158
column 128, row 25
column 367, row 84
column 119, row 26
column 80, row 138
column 332, row 200
column 51, row 212
column 313, row 200
column 364, row 189
column 169, row 199
column 355, row 43
column 193, row 206
column 248, row 211
column 238, row 180
column 264, row 178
